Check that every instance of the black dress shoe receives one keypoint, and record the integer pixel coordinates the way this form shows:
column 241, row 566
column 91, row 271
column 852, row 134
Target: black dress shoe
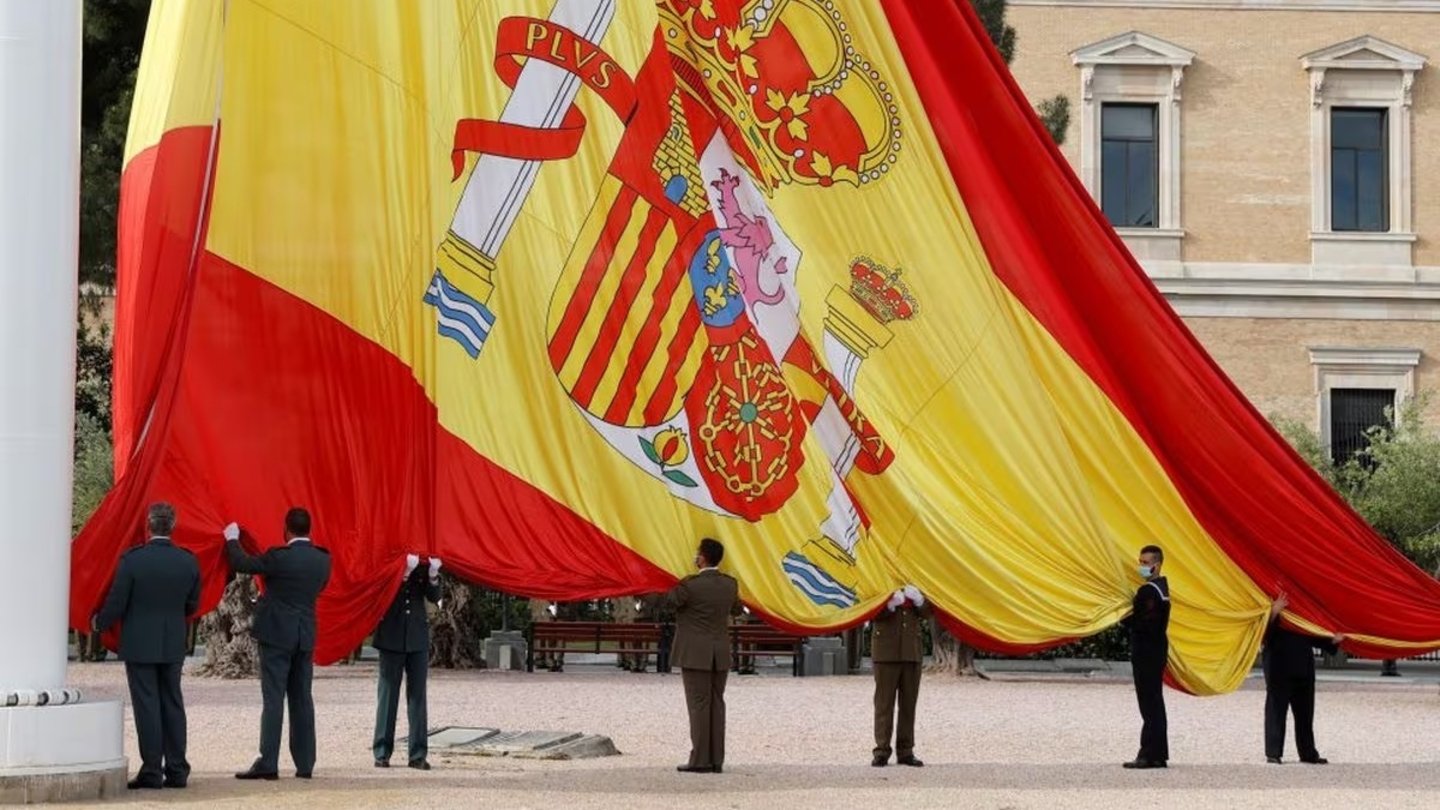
column 144, row 783
column 695, row 768
column 382, row 763
column 717, row 768
column 304, row 774
column 1143, row 764
column 879, row 761
column 1274, row 760
column 256, row 773
column 911, row 761
column 420, row 765
column 176, row 783
column 1315, row 760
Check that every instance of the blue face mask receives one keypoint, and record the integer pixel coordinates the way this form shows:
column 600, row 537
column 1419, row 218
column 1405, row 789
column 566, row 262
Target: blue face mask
column 1146, row 572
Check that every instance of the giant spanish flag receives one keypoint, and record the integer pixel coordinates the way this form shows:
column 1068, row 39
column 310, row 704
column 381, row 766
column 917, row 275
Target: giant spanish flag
column 550, row 289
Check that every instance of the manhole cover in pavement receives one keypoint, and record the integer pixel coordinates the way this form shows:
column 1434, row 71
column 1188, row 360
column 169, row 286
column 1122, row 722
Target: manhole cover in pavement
column 510, row 742
column 460, row 737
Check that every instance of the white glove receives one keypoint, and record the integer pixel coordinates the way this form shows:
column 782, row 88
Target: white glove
column 896, row 600
column 913, row 594
column 411, row 561
column 434, row 567
column 232, row 532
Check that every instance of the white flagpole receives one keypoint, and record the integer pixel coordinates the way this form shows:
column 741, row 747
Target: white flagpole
column 52, row 747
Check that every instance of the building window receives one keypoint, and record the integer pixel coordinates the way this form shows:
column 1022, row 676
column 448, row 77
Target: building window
column 1130, row 100
column 1354, row 386
column 1354, row 412
column 1361, row 92
column 1359, row 170
column 1129, row 164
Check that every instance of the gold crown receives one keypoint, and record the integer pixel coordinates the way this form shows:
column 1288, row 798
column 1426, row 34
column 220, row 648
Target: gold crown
column 881, row 291
column 839, row 124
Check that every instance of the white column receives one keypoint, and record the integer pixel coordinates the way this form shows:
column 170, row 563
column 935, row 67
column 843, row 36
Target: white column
column 39, row 242
column 47, row 752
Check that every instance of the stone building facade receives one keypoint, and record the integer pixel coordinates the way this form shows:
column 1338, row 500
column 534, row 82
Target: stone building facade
column 1275, row 167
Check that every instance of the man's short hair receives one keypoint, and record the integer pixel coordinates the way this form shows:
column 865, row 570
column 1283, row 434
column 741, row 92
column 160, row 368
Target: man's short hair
column 712, row 551
column 297, row 522
column 1159, row 555
column 160, row 519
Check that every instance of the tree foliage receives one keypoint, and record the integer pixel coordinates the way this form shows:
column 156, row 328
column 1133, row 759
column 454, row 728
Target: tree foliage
column 114, row 33
column 1055, row 115
column 1393, row 483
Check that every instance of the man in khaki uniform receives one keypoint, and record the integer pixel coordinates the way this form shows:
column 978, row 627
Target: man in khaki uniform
column 895, row 649
column 704, row 603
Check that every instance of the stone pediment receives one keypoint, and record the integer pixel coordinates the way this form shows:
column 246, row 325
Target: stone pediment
column 1364, row 53
column 1133, row 48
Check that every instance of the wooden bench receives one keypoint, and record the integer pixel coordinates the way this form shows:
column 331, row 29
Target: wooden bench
column 750, row 640
column 623, row 638
column 747, row 642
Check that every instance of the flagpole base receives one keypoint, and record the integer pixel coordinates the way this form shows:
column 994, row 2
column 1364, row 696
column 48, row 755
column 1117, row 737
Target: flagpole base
column 69, row 753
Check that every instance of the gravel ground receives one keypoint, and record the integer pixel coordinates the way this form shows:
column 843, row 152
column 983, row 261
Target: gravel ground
column 806, row 743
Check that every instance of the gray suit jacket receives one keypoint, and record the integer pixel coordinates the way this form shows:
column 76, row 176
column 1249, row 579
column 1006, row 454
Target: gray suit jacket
column 156, row 588
column 703, row 604
column 294, row 577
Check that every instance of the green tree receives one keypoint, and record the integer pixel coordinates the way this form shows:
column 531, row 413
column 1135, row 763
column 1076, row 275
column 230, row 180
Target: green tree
column 114, row 33
column 1394, row 483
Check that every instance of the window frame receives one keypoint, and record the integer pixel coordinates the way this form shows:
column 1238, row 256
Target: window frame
column 1354, row 367
column 1364, row 72
column 1137, row 68
column 1154, row 142
column 1394, row 397
column 1385, row 180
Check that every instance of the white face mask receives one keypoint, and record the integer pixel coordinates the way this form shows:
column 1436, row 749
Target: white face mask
column 1147, row 571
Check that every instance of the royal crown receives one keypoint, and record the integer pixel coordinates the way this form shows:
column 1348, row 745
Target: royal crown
column 881, row 291
column 796, row 100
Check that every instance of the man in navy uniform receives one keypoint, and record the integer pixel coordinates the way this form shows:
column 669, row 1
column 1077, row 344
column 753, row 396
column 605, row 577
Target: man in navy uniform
column 1289, row 664
column 294, row 575
column 1149, row 623
column 403, row 639
column 704, row 603
column 156, row 588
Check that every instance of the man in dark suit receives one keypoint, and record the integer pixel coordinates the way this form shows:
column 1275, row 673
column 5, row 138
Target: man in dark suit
column 403, row 639
column 1149, row 623
column 294, row 575
column 156, row 588
column 896, row 648
column 1289, row 664
column 704, row 603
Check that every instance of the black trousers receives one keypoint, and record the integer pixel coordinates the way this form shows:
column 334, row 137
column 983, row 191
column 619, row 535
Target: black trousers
column 1290, row 693
column 1149, row 673
column 413, row 667
column 285, row 677
column 159, row 710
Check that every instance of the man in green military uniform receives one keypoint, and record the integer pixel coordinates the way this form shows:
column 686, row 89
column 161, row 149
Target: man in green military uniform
column 294, row 575
column 704, row 603
column 896, row 651
column 403, row 639
column 156, row 588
